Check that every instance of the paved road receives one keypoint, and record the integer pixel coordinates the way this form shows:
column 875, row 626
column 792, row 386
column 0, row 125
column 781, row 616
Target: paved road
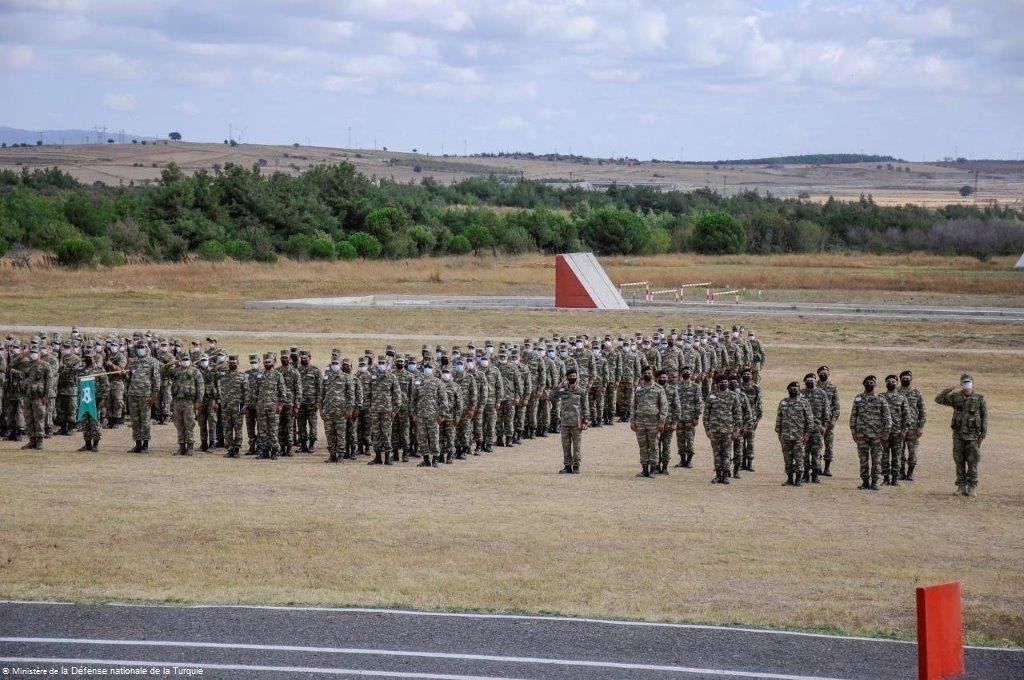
column 276, row 642
column 24, row 330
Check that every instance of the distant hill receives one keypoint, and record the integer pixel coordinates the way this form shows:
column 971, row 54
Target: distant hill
column 11, row 136
column 813, row 159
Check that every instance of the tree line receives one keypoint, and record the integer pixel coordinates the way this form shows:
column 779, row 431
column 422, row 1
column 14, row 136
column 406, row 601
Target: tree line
column 332, row 212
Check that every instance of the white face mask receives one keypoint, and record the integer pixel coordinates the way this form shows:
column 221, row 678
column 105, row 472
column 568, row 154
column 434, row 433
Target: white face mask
column 204, row 363
column 140, row 352
column 485, row 362
column 221, row 359
column 551, row 354
column 446, row 377
column 968, row 386
column 364, row 368
column 33, row 356
column 597, row 352
column 186, row 363
column 335, row 367
column 489, row 351
column 428, row 372
column 382, row 367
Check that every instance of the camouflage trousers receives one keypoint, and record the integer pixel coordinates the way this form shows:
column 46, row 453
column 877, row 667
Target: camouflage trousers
column 623, row 395
column 464, row 432
column 34, row 411
column 755, row 370
column 206, row 416
column 268, row 422
column 748, row 443
column 67, row 405
column 870, row 453
column 91, row 428
column 115, row 400
column 597, row 393
column 231, row 420
column 572, row 444
column 183, row 414
column 684, row 438
column 364, row 426
column 14, row 419
column 250, row 423
column 665, row 445
column 166, row 406
column 966, row 456
column 51, row 412
column 336, row 430
column 891, row 451
column 449, row 432
column 428, row 435
column 813, row 449
column 520, row 419
column 829, row 438
column 138, row 410
column 488, row 423
column 647, row 438
column 306, row 423
column 380, row 431
column 285, row 423
column 400, row 434
column 506, row 416
column 532, row 413
column 721, row 449
column 793, row 456
column 908, row 455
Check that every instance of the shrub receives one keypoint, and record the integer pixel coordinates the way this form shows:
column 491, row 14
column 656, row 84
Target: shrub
column 346, row 251
column 211, row 251
column 612, row 231
column 322, row 248
column 515, row 240
column 423, row 238
column 297, row 246
column 383, row 223
column 459, row 245
column 718, row 233
column 113, row 258
column 127, row 236
column 4, row 246
column 366, row 245
column 76, row 251
column 237, row 249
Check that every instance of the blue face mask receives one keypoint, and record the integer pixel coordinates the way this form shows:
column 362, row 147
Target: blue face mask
column 428, row 372
column 459, row 368
column 551, row 354
column 411, row 368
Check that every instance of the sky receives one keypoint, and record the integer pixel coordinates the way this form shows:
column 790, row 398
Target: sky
column 647, row 79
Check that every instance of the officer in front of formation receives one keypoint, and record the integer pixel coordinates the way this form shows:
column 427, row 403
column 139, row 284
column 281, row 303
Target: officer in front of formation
column 574, row 410
column 970, row 426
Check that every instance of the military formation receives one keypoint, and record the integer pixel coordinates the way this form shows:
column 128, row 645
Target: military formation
column 451, row 403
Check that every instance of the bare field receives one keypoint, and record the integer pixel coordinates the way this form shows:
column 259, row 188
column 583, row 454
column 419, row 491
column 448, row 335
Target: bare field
column 503, row 531
column 930, row 184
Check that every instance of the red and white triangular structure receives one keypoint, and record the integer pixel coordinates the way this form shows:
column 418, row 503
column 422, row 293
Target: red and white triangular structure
column 582, row 283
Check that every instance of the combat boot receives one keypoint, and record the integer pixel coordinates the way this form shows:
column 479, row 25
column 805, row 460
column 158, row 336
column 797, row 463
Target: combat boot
column 435, row 461
column 814, row 476
column 86, row 446
column 63, row 432
column 15, row 435
column 488, row 448
column 798, row 479
column 718, row 477
column 252, row 448
column 203, row 445
column 566, row 470
column 394, row 455
column 189, row 450
column 461, row 454
column 961, row 490
column 448, row 458
column 387, row 459
column 910, row 473
column 725, row 476
column 304, row 448
column 575, row 468
column 689, row 460
column 273, row 453
column 94, row 445
column 500, row 440
column 864, row 483
column 425, row 462
column 893, row 481
column 645, row 471
column 682, row 461
column 138, row 447
column 736, row 471
column 37, row 444
column 181, row 450
column 312, row 445
column 789, row 479
column 232, row 452
column 885, row 480
column 29, row 445
column 826, row 472
column 48, row 431
column 541, row 432
column 376, row 460
column 286, row 452
column 903, row 470
column 874, row 484
column 527, row 433
column 971, row 493
column 664, row 468
column 145, row 446
column 750, row 463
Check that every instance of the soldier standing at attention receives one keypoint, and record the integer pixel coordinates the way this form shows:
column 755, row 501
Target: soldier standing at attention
column 747, row 413
column 690, row 403
column 758, row 359
column 429, row 403
column 970, row 426
column 271, row 398
column 91, row 431
column 233, row 399
column 206, row 408
column 309, row 376
column 338, row 403
column 794, row 424
column 293, row 390
column 647, row 414
column 870, row 423
column 821, row 413
column 187, row 392
column 495, row 395
column 452, row 415
column 575, row 410
column 386, row 400
column 899, row 410
column 750, row 388
column 915, row 426
column 665, row 437
column 67, row 390
column 252, row 379
column 143, row 390
column 468, row 398
column 114, row 363
column 36, row 390
column 828, row 437
column 512, row 380
column 723, row 420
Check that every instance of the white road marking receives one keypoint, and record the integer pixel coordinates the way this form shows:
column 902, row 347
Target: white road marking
column 579, row 663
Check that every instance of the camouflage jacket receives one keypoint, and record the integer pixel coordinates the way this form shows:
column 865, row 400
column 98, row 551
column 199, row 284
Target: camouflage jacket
column 512, row 380
column 234, row 388
column 573, row 403
column 496, row 383
column 386, row 393
column 337, row 392
column 649, row 403
column 753, row 392
column 723, row 413
column 917, row 415
column 292, row 385
column 970, row 414
column 67, row 379
column 833, row 398
column 820, row 403
column 899, row 410
column 187, row 382
column 690, row 402
column 469, row 393
column 794, row 419
column 454, row 408
column 429, row 398
column 270, row 391
column 36, row 379
column 311, row 380
column 143, row 377
column 870, row 417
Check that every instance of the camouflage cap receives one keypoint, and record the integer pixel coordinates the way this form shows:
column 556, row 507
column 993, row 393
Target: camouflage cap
column 346, row 362
column 303, row 353
column 268, row 356
column 254, row 357
column 966, row 377
column 232, row 357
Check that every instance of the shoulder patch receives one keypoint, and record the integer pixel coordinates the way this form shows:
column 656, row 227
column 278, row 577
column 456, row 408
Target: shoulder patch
column 784, row 402
column 858, row 399
column 712, row 397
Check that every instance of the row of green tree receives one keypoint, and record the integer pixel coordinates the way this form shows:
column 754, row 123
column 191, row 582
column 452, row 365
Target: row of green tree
column 331, row 211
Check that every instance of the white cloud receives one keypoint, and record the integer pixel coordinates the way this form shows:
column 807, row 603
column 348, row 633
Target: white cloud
column 188, row 108
column 16, row 56
column 120, row 102
column 376, row 66
column 112, row 65
column 404, row 44
column 214, row 79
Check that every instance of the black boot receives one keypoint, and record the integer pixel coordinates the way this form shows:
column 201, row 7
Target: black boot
column 181, row 450
column 286, row 452
column 798, row 479
column 376, row 460
column 885, row 480
column 725, row 476
column 789, row 479
column 63, row 432
column 448, row 458
column 826, row 472
column 435, row 461
column 252, row 448
column 488, row 448
column 145, row 446
column 566, row 470
column 203, row 446
column 750, row 464
column 645, row 471
column 893, row 481
column 85, row 446
column 304, row 448
column 387, row 459
column 682, row 461
column 910, row 473
column 499, row 440
column 664, row 467
column 404, row 458
column 874, row 484
column 94, row 445
column 312, row 445
column 425, row 462
column 814, row 476
column 864, row 483
column 460, row 454
column 138, row 447
column 736, row 471
column 189, row 450
column 689, row 461
column 903, row 470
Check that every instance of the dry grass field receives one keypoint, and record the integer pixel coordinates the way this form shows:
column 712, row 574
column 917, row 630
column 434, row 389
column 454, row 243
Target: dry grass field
column 928, row 184
column 503, row 531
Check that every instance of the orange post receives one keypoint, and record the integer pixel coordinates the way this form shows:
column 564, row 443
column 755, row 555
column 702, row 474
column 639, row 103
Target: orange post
column 940, row 632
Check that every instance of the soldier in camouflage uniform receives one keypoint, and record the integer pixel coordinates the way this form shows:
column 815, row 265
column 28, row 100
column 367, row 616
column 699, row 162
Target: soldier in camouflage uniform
column 14, row 390
column 143, row 389
column 35, row 382
column 494, row 396
column 665, row 436
column 870, row 423
column 252, row 379
column 599, row 382
column 794, row 424
column 67, row 391
column 689, row 405
column 4, row 356
column 338, row 403
column 429, row 404
column 753, row 393
column 164, row 404
column 91, row 431
column 533, row 361
column 469, row 396
column 970, row 427
column 114, row 362
column 575, row 408
column 206, row 409
column 747, row 413
column 187, row 391
column 386, row 400
column 915, row 425
column 824, row 383
column 647, row 415
column 53, row 361
column 270, row 398
column 556, row 374
column 512, row 380
column 234, row 387
column 899, row 410
column 402, row 436
column 758, row 357
column 293, row 390
column 451, row 416
column 365, row 379
column 526, row 377
column 311, row 379
column 821, row 411
column 723, row 420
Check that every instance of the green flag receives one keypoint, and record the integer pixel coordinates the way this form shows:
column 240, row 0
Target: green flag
column 87, row 398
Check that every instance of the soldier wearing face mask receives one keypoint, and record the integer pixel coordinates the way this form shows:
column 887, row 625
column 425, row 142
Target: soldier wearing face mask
column 918, row 416
column 900, row 412
column 495, row 395
column 821, row 411
column 14, row 419
column 794, row 424
column 386, row 400
column 870, row 423
column 970, row 427
column 723, row 420
column 35, row 382
column 252, row 378
column 429, row 404
column 574, row 407
column 665, row 436
column 142, row 389
column 114, row 362
column 206, row 411
column 647, row 416
column 271, row 397
column 233, row 386
column 365, row 378
column 452, row 414
column 469, row 399
column 828, row 437
column 187, row 392
column 166, row 358
column 338, row 404
column 311, row 380
column 293, row 388
column 689, row 406
column 753, row 393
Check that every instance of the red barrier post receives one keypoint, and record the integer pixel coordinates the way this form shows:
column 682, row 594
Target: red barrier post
column 940, row 632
